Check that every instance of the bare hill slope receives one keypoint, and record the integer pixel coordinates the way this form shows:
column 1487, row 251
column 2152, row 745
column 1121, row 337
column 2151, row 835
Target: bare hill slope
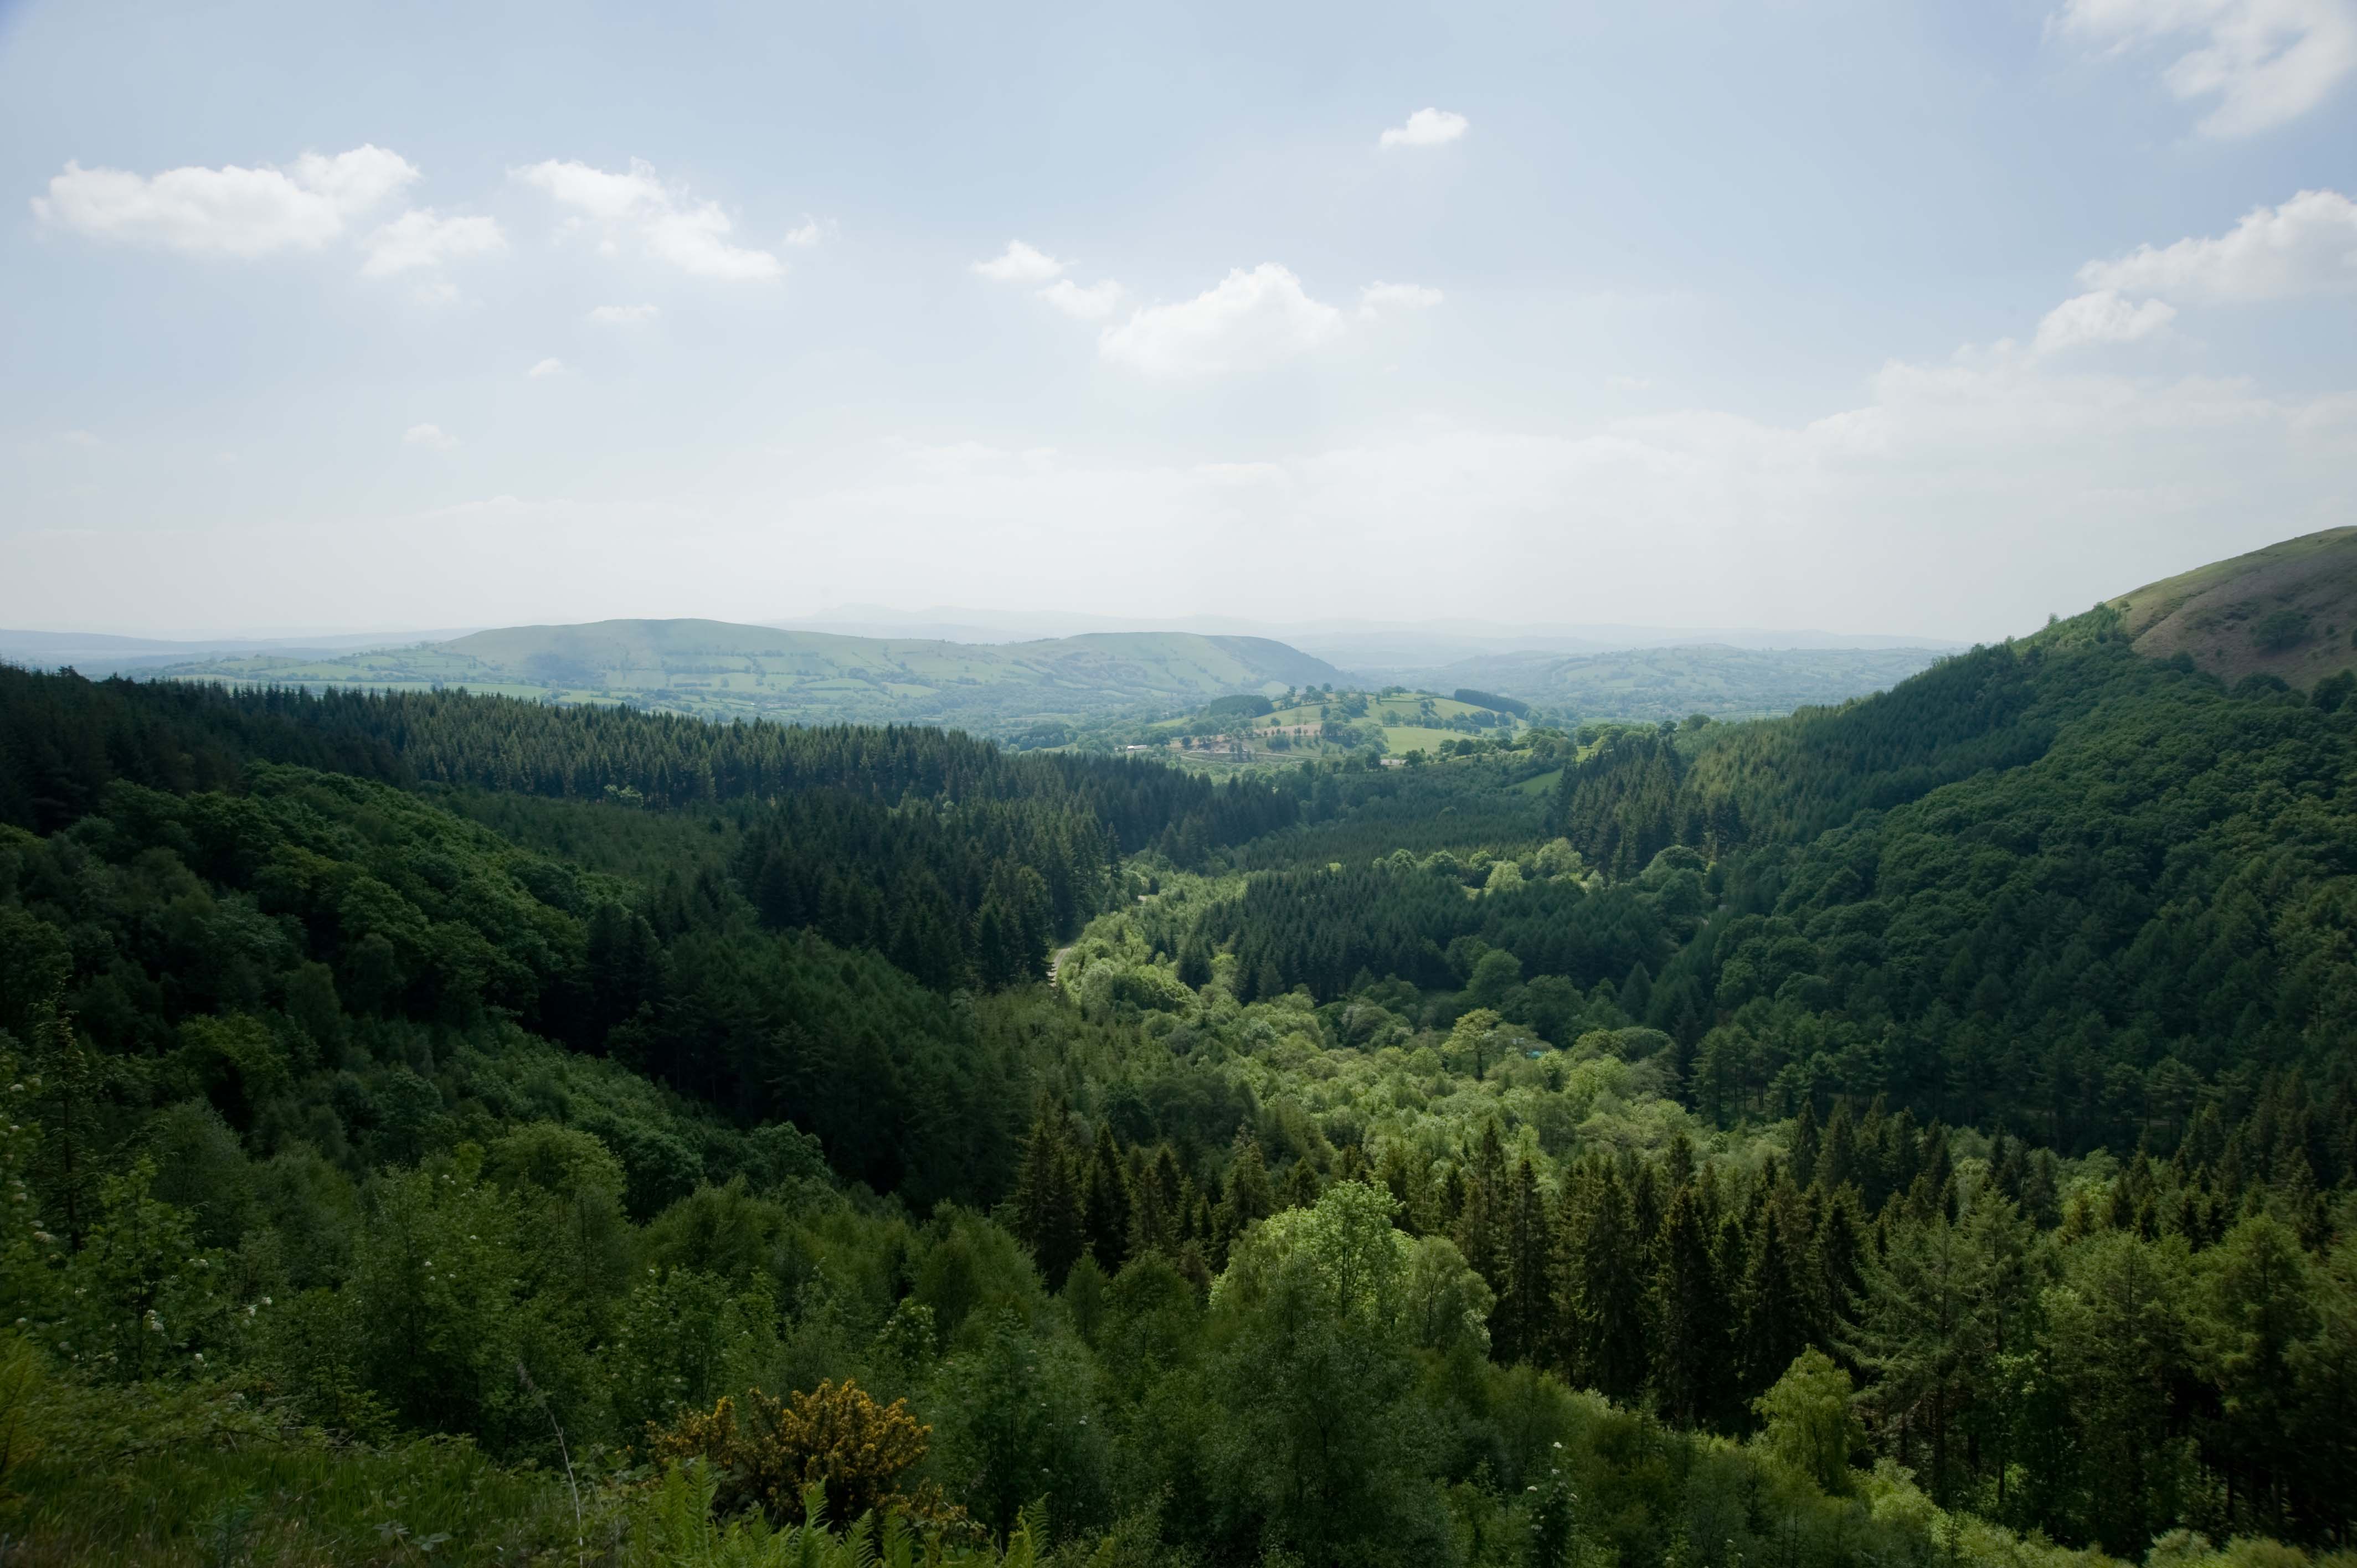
column 2288, row 610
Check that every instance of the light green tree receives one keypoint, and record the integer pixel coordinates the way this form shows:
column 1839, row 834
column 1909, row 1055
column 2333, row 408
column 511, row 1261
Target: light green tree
column 1809, row 1427
column 1318, row 1449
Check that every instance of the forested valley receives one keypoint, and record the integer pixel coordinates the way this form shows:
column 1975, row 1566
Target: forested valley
column 454, row 1128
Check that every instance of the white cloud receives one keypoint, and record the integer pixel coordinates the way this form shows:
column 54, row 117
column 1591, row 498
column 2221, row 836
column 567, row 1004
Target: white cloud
column 594, row 193
column 357, row 180
column 228, row 211
column 2307, row 245
column 2102, row 317
column 1019, row 263
column 420, row 239
column 1022, row 264
column 1094, row 303
column 1424, row 128
column 697, row 241
column 1249, row 320
column 810, row 232
column 1377, row 297
column 690, row 235
column 79, row 438
column 2265, row 61
column 432, row 435
column 546, row 367
column 624, row 315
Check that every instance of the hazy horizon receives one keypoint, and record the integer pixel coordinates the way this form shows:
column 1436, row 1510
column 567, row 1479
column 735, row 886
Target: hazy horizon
column 975, row 624
column 1841, row 318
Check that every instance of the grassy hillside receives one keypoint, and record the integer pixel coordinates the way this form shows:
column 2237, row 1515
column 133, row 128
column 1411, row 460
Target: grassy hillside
column 2290, row 611
column 1673, row 683
column 719, row 669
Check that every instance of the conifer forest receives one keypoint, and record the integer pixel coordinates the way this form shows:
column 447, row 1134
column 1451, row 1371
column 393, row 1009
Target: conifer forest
column 458, row 1128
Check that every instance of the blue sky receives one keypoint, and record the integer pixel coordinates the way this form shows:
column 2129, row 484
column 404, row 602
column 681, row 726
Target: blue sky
column 1866, row 317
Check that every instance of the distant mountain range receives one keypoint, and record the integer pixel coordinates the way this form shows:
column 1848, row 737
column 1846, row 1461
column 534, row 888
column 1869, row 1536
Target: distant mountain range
column 726, row 669
column 722, row 670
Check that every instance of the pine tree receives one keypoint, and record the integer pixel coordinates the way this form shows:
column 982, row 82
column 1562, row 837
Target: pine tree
column 1691, row 1352
column 1837, row 1162
column 1194, row 964
column 1156, row 1195
column 1842, row 1246
column 1807, row 1142
column 1645, row 1205
column 1679, row 1165
column 1601, row 1284
column 1480, row 1228
column 1248, row 1199
column 1938, row 1169
column 2258, row 1305
column 1918, row 1336
column 2115, row 1341
column 1249, row 1196
column 2003, row 1384
column 1637, row 993
column 1301, row 1186
column 1107, row 1204
column 1409, row 1182
column 1776, row 1305
column 1049, row 1214
column 1519, row 1322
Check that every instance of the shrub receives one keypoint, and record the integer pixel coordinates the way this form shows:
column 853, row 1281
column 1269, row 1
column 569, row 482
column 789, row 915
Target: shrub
column 835, row 1438
column 2282, row 630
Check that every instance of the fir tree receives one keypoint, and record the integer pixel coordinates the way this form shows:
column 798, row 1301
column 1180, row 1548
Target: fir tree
column 1249, row 1197
column 1049, row 1213
column 1480, row 1228
column 1156, row 1194
column 1690, row 1359
column 1807, row 1142
column 1519, row 1322
column 1836, row 1161
column 1776, row 1305
column 1107, row 1205
column 1301, row 1186
column 1842, row 1246
column 1601, row 1279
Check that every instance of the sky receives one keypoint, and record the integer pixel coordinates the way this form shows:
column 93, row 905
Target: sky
column 1871, row 317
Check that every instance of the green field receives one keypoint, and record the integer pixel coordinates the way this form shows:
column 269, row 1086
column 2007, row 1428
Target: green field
column 1408, row 721
column 1402, row 738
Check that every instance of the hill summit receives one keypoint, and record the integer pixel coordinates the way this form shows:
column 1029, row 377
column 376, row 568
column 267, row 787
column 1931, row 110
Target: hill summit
column 2288, row 610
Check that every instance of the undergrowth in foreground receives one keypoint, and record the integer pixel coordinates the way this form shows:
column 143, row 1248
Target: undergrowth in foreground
column 207, row 1476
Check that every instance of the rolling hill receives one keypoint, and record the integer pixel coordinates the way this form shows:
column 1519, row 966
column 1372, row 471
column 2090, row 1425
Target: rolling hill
column 722, row 670
column 2288, row 610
